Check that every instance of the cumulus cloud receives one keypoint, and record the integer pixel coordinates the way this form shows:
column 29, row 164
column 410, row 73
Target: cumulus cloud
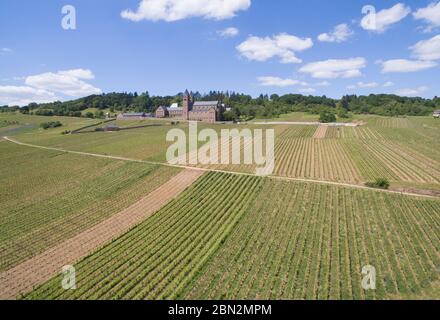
column 335, row 68
column 48, row 87
column 404, row 65
column 412, row 92
column 340, row 33
column 69, row 82
column 388, row 84
column 427, row 49
column 228, row 32
column 282, row 45
column 322, row 84
column 380, row 21
column 174, row 10
column 429, row 14
column 5, row 50
column 367, row 85
column 279, row 82
column 23, row 95
column 78, row 73
column 307, row 90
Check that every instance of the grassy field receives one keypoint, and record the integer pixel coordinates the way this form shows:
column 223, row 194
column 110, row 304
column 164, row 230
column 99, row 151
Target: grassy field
column 48, row 196
column 241, row 237
column 293, row 117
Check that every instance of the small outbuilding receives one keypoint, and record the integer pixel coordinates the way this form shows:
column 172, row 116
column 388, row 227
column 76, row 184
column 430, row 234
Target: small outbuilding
column 111, row 127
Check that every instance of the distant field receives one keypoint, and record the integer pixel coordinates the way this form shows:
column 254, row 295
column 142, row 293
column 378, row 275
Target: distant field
column 49, row 196
column 294, row 117
column 404, row 150
column 239, row 237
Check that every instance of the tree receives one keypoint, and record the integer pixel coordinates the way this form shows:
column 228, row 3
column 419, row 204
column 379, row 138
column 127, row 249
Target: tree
column 342, row 113
column 326, row 117
column 344, row 103
column 229, row 116
column 99, row 114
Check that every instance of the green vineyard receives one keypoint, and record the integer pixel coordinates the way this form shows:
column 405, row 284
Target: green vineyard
column 242, row 237
column 49, row 196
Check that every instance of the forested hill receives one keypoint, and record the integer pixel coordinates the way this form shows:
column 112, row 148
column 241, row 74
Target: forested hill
column 242, row 105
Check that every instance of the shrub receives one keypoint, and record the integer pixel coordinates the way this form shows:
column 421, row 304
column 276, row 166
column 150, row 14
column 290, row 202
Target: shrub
column 343, row 114
column 43, row 112
column 326, row 117
column 379, row 183
column 51, row 124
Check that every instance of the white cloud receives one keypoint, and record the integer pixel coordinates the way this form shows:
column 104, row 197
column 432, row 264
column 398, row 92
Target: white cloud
column 228, row 32
column 335, row 68
column 322, row 84
column 404, row 65
column 307, row 90
column 279, row 82
column 6, row 50
column 23, row 95
column 367, row 85
column 430, row 14
column 340, row 33
column 46, row 87
column 174, row 10
column 412, row 92
column 427, row 49
column 67, row 82
column 78, row 73
column 385, row 18
column 282, row 45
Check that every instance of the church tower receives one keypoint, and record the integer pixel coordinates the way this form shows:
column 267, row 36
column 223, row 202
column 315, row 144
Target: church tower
column 187, row 105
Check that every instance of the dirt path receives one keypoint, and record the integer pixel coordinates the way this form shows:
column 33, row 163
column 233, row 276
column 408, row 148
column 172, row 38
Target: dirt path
column 348, row 185
column 25, row 276
column 320, row 132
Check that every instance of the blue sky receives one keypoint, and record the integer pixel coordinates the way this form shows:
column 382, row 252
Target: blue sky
column 271, row 46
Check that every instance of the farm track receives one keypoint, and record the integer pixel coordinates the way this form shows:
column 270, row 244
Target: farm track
column 22, row 278
column 161, row 256
column 326, row 182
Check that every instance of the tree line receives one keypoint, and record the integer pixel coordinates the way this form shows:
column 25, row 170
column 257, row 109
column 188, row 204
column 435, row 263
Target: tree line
column 240, row 105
